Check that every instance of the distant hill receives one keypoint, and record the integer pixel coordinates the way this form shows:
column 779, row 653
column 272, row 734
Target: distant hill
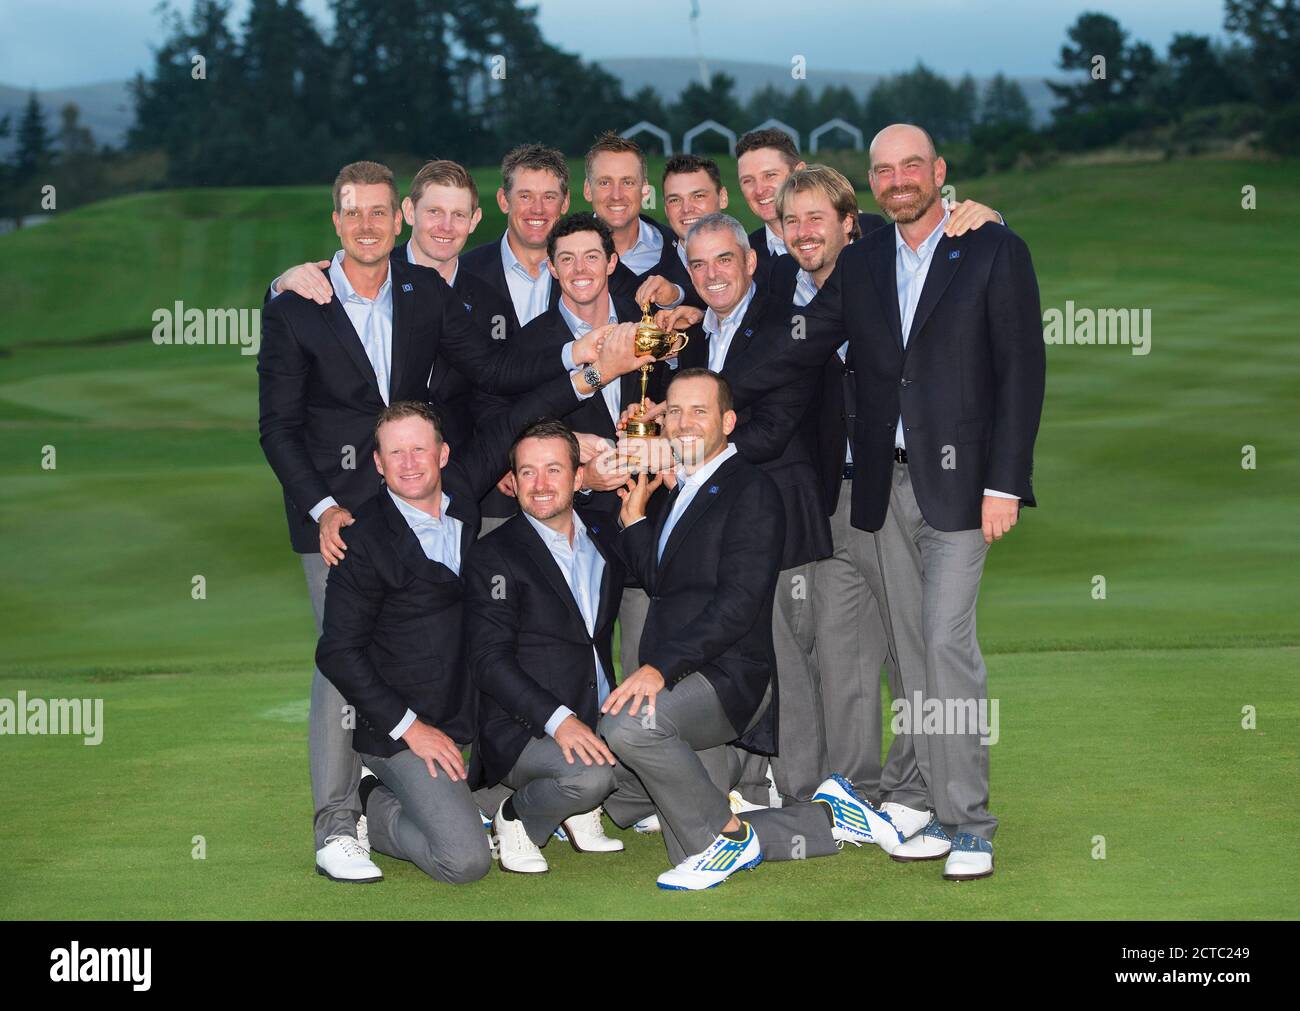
column 670, row 75
column 106, row 107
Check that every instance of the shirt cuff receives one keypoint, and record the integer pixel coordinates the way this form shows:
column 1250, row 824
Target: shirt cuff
column 681, row 297
column 632, row 524
column 1000, row 494
column 561, row 714
column 566, row 356
column 402, row 727
column 318, row 510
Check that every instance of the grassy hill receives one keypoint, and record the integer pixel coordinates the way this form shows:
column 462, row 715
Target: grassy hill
column 1121, row 716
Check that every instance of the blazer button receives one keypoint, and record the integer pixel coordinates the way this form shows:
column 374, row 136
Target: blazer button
column 905, row 383
column 592, row 684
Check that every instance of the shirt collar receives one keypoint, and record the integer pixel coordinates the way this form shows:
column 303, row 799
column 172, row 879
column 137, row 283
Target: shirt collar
column 805, row 285
column 410, row 258
column 647, row 236
column 575, row 324
column 926, row 248
column 344, row 287
column 554, row 538
column 775, row 243
column 713, row 325
column 415, row 517
column 702, row 474
column 511, row 262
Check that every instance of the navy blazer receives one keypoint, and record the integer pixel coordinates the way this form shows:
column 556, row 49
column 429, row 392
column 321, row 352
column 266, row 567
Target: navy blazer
column 527, row 645
column 711, row 594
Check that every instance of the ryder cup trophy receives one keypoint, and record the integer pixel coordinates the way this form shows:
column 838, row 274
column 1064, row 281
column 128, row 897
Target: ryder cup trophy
column 660, row 344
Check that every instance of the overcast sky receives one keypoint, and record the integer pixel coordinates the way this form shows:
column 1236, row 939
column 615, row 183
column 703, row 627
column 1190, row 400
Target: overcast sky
column 55, row 43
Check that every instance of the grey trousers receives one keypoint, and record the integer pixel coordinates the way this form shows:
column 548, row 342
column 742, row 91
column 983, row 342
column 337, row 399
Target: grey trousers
column 548, row 789
column 431, row 822
column 631, row 621
column 931, row 581
column 851, row 645
column 335, row 767
column 677, row 765
column 800, row 763
column 793, row 832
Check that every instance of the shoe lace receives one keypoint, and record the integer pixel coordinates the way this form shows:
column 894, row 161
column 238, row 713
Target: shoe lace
column 351, row 848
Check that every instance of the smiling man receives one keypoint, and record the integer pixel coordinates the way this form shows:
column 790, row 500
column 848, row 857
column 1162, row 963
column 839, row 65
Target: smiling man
column 707, row 674
column 769, row 433
column 534, row 194
column 542, row 593
column 616, row 185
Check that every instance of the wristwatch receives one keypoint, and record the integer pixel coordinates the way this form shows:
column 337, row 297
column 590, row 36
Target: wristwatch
column 591, row 376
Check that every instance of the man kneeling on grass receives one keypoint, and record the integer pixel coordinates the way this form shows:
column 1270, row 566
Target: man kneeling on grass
column 708, row 556
column 542, row 593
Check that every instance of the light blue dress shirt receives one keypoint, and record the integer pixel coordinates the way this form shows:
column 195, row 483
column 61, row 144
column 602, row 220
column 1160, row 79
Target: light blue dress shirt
column 690, row 484
column 530, row 295
column 372, row 319
column 647, row 249
column 583, row 568
column 721, row 332
column 911, row 269
column 440, row 540
column 775, row 244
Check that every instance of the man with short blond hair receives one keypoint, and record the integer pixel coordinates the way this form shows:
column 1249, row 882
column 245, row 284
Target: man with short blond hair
column 649, row 269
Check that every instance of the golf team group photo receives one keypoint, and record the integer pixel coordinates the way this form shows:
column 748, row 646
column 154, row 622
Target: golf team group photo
column 746, row 471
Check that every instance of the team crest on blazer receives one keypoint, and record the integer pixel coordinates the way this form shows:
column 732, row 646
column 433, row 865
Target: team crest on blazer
column 408, row 286
column 955, row 254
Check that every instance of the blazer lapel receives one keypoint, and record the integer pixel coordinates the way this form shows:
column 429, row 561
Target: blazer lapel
column 401, row 328
column 532, row 545
column 943, row 268
column 882, row 263
column 735, row 360
column 338, row 321
column 408, row 545
column 704, row 498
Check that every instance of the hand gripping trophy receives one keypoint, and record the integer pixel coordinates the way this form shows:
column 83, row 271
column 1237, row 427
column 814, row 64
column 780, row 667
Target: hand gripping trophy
column 660, row 344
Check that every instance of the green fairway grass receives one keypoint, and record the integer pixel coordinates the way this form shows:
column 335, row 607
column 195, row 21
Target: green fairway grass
column 1120, row 717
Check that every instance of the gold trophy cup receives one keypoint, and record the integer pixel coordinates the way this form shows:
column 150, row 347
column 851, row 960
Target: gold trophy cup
column 661, row 344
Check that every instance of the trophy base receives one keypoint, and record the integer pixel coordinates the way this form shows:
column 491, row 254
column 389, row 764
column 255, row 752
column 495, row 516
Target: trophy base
column 642, row 429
